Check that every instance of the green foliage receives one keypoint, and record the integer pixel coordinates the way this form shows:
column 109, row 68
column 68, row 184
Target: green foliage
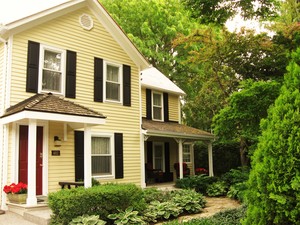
column 129, row 216
column 227, row 217
column 238, row 191
column 95, row 182
column 274, row 190
column 153, row 194
column 218, row 188
column 87, row 220
column 198, row 182
column 164, row 210
column 98, row 200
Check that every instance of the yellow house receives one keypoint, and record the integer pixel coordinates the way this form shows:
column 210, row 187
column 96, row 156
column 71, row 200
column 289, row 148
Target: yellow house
column 79, row 101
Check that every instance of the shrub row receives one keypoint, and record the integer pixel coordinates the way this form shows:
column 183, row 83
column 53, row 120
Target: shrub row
column 99, row 200
column 232, row 183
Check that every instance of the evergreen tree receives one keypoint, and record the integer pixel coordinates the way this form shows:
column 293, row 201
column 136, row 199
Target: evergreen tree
column 274, row 184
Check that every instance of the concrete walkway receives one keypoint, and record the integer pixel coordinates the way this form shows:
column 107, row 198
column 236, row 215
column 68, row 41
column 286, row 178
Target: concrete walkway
column 10, row 218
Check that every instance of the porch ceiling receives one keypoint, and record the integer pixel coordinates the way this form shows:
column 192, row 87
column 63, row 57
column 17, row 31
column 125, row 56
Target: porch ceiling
column 175, row 130
column 51, row 107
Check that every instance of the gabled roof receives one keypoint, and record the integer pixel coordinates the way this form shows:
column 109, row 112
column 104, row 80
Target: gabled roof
column 51, row 104
column 152, row 78
column 50, row 107
column 175, row 130
column 98, row 10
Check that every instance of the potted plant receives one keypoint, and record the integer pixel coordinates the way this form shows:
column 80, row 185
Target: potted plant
column 16, row 193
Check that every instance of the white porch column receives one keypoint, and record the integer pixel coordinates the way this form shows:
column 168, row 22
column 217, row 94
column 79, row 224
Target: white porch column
column 4, row 165
column 87, row 156
column 143, row 171
column 210, row 160
column 31, row 196
column 180, row 157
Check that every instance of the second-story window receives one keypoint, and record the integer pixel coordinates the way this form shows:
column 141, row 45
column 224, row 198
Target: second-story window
column 113, row 82
column 52, row 70
column 157, row 106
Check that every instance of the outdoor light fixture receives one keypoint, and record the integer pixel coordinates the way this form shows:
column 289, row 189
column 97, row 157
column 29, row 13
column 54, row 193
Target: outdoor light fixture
column 57, row 141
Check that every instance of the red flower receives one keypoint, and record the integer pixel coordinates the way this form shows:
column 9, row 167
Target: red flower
column 19, row 188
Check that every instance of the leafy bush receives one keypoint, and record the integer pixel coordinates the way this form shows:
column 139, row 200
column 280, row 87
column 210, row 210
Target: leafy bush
column 189, row 201
column 238, row 191
column 218, row 188
column 198, row 182
column 127, row 217
column 98, row 200
column 235, row 176
column 164, row 210
column 153, row 194
column 87, row 220
column 228, row 217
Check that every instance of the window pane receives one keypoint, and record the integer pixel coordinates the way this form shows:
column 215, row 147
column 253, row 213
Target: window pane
column 51, row 81
column 157, row 99
column 100, row 145
column 112, row 91
column 101, row 165
column 112, row 73
column 186, row 153
column 52, row 60
column 157, row 114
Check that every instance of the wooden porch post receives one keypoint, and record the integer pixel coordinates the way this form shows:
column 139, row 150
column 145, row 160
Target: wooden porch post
column 31, row 192
column 87, row 156
column 210, row 160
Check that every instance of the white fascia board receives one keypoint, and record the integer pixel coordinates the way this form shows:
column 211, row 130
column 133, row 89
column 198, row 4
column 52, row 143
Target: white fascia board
column 178, row 135
column 120, row 37
column 52, row 117
column 40, row 17
column 155, row 88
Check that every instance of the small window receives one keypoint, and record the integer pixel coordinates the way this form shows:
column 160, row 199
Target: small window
column 52, row 70
column 186, row 153
column 113, row 82
column 102, row 156
column 157, row 106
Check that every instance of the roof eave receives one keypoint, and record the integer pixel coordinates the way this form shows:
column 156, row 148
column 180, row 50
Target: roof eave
column 178, row 135
column 181, row 93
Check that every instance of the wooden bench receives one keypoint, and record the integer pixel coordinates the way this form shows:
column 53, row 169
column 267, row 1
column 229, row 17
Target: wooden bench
column 69, row 183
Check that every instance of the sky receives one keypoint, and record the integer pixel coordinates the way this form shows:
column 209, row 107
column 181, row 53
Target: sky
column 11, row 10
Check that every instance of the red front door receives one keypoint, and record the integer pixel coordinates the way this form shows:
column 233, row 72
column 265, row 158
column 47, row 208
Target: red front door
column 23, row 157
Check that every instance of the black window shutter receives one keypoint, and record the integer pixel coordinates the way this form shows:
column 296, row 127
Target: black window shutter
column 71, row 74
column 98, row 80
column 119, row 165
column 149, row 152
column 126, row 85
column 79, row 155
column 166, row 107
column 148, row 104
column 167, row 157
column 33, row 57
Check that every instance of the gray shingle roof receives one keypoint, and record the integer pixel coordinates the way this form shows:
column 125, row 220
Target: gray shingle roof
column 52, row 104
column 175, row 129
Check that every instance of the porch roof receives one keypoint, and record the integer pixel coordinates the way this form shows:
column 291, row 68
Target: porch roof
column 51, row 107
column 175, row 130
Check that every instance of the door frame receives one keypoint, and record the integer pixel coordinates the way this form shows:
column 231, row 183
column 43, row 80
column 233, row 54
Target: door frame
column 15, row 155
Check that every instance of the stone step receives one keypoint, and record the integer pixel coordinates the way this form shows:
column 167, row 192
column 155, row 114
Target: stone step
column 40, row 217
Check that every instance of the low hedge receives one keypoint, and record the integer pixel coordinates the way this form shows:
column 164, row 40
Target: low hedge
column 98, row 200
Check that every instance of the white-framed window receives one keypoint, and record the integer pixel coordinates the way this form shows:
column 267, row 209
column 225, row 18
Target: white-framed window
column 159, row 156
column 186, row 151
column 113, row 88
column 157, row 106
column 52, row 70
column 102, row 156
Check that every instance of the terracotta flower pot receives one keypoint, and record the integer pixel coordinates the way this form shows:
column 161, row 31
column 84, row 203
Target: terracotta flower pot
column 17, row 198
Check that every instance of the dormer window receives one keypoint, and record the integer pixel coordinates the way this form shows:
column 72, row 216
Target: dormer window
column 157, row 106
column 52, row 70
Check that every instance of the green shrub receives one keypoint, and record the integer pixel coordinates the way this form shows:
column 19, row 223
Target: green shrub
column 199, row 182
column 189, row 201
column 129, row 216
column 237, row 191
column 228, row 217
column 153, row 194
column 218, row 188
column 164, row 210
column 87, row 220
column 98, row 200
column 235, row 176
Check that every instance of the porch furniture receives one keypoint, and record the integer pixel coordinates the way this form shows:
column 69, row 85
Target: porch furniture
column 186, row 170
column 153, row 175
column 69, row 183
